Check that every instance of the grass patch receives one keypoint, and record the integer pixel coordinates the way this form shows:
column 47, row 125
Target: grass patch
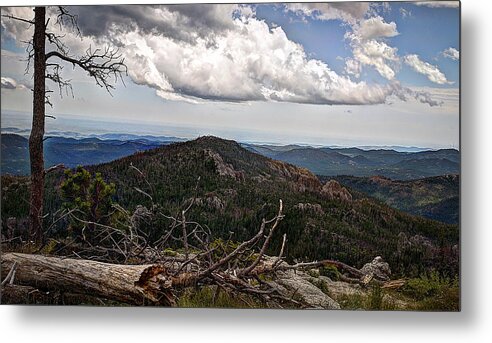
column 375, row 300
column 208, row 297
column 434, row 292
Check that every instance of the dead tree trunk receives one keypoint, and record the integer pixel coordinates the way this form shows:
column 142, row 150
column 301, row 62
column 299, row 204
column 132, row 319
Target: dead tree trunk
column 104, row 66
column 131, row 284
column 37, row 131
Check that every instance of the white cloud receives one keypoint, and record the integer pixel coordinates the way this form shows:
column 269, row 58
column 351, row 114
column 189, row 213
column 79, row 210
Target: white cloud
column 346, row 11
column 377, row 54
column 239, row 58
column 405, row 13
column 368, row 35
column 376, row 27
column 353, row 67
column 449, row 96
column 14, row 28
column 247, row 63
column 451, row 53
column 8, row 83
column 432, row 72
column 438, row 4
column 368, row 40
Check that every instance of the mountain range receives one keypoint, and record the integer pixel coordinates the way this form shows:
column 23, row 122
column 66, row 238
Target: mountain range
column 70, row 151
column 324, row 161
column 397, row 165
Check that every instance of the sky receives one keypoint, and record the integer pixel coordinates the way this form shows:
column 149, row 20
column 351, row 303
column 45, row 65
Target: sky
column 341, row 73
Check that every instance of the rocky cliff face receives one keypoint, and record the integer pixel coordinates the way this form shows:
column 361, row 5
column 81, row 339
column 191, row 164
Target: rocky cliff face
column 302, row 179
column 334, row 191
column 223, row 168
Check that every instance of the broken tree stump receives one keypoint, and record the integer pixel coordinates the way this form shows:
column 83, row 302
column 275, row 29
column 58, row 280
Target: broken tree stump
column 131, row 284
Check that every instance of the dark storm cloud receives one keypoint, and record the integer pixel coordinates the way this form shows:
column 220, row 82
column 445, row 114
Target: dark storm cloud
column 180, row 22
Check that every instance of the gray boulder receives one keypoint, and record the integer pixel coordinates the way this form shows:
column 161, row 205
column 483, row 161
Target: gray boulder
column 296, row 283
column 378, row 269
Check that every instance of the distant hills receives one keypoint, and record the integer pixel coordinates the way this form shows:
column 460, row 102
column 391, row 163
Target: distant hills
column 72, row 152
column 434, row 197
column 397, row 165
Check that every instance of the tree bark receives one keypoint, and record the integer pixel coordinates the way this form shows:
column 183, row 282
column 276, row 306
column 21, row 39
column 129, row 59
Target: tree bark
column 131, row 284
column 37, row 131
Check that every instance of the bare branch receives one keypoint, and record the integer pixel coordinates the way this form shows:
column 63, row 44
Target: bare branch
column 277, row 219
column 67, row 19
column 100, row 65
column 9, row 16
column 279, row 258
column 10, row 275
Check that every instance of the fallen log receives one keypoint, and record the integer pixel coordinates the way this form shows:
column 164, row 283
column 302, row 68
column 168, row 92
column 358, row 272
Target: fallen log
column 131, row 284
column 148, row 284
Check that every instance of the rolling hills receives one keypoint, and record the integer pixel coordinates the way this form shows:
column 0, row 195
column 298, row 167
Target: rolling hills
column 434, row 197
column 397, row 165
column 69, row 151
column 393, row 164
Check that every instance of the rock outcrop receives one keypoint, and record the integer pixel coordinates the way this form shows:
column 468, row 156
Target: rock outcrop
column 301, row 179
column 308, row 207
column 378, row 269
column 340, row 288
column 416, row 242
column 211, row 201
column 334, row 191
column 223, row 168
column 296, row 284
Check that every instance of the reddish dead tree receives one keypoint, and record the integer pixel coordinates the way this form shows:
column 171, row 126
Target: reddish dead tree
column 105, row 66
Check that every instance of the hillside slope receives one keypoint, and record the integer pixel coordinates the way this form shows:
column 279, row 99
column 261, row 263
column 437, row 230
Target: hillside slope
column 434, row 197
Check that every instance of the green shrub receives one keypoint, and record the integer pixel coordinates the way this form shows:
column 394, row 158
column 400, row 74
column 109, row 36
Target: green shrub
column 169, row 252
column 313, row 273
column 90, row 199
column 330, row 271
column 434, row 292
column 353, row 302
column 321, row 285
column 376, row 299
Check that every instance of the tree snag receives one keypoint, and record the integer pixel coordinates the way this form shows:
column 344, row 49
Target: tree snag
column 104, row 66
column 37, row 130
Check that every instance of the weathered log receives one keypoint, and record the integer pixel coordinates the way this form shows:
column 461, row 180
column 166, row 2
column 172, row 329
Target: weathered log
column 132, row 284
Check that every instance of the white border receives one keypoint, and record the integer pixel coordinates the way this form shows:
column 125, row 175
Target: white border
column 473, row 324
